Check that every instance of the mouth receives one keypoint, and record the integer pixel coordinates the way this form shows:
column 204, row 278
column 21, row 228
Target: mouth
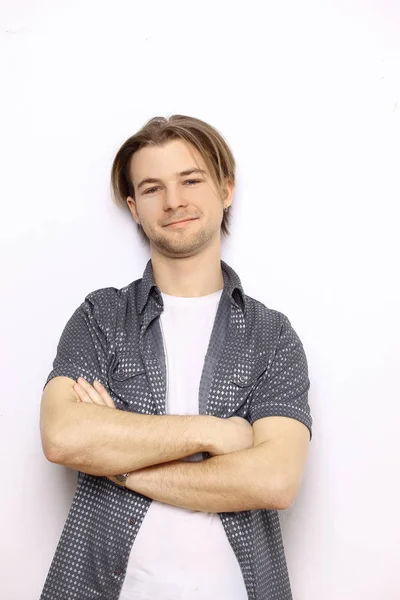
column 183, row 222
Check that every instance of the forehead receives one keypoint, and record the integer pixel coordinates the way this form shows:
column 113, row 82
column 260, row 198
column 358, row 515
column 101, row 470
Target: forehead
column 165, row 160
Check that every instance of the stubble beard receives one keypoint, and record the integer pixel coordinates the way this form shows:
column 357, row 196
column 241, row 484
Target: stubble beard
column 182, row 241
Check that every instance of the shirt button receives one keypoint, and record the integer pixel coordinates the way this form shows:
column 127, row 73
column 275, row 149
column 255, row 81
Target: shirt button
column 117, row 572
column 121, row 372
column 132, row 520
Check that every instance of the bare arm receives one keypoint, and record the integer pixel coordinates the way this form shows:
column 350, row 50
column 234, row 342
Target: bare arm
column 226, row 483
column 93, row 437
column 266, row 476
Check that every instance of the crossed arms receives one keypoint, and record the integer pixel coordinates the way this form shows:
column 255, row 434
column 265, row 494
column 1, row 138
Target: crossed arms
column 250, row 467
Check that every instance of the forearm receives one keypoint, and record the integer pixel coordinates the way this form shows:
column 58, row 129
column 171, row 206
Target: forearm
column 103, row 441
column 226, row 483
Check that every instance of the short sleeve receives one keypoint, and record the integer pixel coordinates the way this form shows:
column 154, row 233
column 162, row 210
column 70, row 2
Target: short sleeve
column 283, row 390
column 82, row 348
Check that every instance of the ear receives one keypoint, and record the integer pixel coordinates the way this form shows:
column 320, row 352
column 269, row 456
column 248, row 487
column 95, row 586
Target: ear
column 132, row 207
column 228, row 188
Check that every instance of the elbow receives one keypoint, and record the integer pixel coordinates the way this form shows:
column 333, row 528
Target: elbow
column 287, row 495
column 60, row 444
column 285, row 501
column 52, row 452
column 54, row 447
column 280, row 497
column 66, row 455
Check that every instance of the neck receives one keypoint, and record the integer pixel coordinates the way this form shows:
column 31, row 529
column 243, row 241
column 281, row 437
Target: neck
column 190, row 276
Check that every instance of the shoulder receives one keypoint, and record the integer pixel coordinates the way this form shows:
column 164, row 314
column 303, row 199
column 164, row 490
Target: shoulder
column 270, row 323
column 258, row 312
column 111, row 297
column 106, row 303
column 102, row 306
column 107, row 297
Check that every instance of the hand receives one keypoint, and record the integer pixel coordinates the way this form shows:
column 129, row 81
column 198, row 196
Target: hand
column 96, row 394
column 234, row 434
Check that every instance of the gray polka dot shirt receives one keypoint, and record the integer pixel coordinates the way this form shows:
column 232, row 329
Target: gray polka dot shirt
column 255, row 367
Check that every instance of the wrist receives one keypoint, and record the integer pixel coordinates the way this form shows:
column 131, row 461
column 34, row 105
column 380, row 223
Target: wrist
column 119, row 479
column 128, row 482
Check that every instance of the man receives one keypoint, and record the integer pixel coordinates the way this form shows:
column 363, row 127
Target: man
column 181, row 401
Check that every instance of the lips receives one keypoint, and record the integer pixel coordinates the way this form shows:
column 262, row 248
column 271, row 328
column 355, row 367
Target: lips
column 181, row 221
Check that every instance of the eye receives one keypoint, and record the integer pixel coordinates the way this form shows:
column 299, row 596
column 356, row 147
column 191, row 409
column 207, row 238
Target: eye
column 193, row 181
column 190, row 181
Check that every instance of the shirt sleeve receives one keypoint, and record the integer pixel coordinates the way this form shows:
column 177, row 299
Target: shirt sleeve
column 283, row 389
column 82, row 348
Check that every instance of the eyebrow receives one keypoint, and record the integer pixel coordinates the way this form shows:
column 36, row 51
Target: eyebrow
column 181, row 174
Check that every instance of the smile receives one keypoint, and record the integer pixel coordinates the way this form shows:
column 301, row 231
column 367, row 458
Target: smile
column 182, row 223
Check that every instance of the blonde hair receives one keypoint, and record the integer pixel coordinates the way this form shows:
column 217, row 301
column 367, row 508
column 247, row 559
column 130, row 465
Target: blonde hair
column 159, row 130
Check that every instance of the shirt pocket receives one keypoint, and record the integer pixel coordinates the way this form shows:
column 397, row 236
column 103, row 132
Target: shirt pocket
column 127, row 380
column 242, row 382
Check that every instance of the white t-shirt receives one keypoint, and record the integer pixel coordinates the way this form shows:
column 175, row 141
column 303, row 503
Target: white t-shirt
column 182, row 554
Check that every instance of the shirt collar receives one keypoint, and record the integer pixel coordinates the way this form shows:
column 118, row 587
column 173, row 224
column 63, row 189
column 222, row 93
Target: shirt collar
column 232, row 286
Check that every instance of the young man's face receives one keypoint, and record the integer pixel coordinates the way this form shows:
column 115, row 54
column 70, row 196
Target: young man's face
column 174, row 197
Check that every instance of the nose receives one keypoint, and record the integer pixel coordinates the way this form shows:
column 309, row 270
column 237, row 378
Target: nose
column 174, row 197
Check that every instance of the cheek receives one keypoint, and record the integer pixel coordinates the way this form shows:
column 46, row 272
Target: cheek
column 210, row 204
column 151, row 215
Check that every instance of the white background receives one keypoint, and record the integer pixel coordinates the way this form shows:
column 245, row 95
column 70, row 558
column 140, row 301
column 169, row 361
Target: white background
column 307, row 94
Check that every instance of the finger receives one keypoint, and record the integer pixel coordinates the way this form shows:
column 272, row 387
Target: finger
column 82, row 395
column 78, row 398
column 103, row 393
column 92, row 392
